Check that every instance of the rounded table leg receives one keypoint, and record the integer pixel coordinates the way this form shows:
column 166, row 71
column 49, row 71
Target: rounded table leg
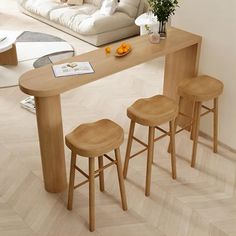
column 51, row 140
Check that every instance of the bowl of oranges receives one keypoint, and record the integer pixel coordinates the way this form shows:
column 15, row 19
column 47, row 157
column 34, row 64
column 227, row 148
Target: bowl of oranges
column 123, row 50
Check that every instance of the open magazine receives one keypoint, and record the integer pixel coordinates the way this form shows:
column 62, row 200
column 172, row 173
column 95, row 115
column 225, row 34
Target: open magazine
column 72, row 68
column 28, row 103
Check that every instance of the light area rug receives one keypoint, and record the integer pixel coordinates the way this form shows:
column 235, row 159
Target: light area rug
column 28, row 53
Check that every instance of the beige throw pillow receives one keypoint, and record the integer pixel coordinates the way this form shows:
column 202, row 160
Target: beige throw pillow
column 129, row 7
column 75, row 2
column 108, row 7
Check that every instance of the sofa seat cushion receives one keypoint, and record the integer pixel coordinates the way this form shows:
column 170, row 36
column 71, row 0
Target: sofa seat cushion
column 67, row 16
column 42, row 7
column 98, row 23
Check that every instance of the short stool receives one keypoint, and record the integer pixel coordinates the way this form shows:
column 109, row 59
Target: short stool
column 151, row 112
column 95, row 140
column 201, row 89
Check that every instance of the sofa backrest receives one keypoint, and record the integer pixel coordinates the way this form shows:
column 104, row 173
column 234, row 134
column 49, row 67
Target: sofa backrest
column 133, row 8
column 97, row 3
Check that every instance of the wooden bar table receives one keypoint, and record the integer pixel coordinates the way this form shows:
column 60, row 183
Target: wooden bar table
column 181, row 50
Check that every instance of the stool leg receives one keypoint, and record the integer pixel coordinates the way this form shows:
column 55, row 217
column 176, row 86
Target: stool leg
column 176, row 122
column 215, row 132
column 128, row 149
column 72, row 180
column 101, row 173
column 175, row 128
column 172, row 142
column 151, row 134
column 91, row 196
column 196, row 132
column 193, row 119
column 121, row 179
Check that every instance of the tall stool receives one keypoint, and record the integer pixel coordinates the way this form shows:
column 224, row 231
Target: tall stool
column 151, row 112
column 94, row 140
column 201, row 89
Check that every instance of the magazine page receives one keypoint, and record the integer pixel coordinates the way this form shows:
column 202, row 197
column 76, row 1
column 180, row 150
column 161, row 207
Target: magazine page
column 73, row 68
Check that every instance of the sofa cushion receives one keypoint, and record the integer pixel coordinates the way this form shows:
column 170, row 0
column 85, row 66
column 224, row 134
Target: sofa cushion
column 74, row 2
column 67, row 16
column 42, row 7
column 97, row 3
column 108, row 7
column 130, row 7
column 98, row 23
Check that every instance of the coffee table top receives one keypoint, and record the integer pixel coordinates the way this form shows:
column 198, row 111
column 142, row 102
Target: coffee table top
column 6, row 43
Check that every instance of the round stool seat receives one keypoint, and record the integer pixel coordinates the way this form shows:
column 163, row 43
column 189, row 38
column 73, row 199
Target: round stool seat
column 95, row 139
column 201, row 88
column 153, row 111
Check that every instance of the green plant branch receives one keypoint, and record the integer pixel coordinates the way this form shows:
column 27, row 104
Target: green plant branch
column 163, row 9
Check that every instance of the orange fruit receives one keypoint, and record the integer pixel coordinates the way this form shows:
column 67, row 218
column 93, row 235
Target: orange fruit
column 108, row 50
column 128, row 46
column 123, row 45
column 120, row 50
column 125, row 49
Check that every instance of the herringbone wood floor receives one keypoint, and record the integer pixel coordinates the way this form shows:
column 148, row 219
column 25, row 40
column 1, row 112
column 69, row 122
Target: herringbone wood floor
column 200, row 202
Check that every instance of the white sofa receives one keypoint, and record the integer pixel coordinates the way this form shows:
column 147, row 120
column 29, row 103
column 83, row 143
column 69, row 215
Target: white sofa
column 86, row 22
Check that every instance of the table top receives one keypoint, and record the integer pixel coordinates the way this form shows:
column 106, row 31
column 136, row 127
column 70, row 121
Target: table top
column 6, row 43
column 41, row 82
column 146, row 19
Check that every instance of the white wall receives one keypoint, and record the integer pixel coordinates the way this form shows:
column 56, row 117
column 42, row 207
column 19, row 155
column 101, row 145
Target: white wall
column 215, row 21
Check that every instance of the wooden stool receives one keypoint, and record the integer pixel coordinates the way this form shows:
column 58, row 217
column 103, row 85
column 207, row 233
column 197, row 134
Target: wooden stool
column 201, row 89
column 151, row 112
column 94, row 140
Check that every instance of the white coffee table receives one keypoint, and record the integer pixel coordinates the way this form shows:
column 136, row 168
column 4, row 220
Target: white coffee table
column 146, row 20
column 8, row 54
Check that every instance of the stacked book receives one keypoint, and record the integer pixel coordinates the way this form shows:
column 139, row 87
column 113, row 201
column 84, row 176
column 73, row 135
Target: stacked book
column 28, row 104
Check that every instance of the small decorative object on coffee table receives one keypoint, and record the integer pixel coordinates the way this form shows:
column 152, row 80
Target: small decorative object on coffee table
column 8, row 55
column 154, row 37
column 163, row 9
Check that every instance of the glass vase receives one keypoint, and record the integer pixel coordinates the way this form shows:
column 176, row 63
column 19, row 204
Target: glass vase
column 162, row 29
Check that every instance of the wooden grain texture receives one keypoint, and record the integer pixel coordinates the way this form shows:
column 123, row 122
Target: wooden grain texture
column 128, row 148
column 50, row 131
column 96, row 138
column 196, row 132
column 121, row 179
column 151, row 134
column 71, row 181
column 180, row 65
column 201, row 202
column 91, row 195
column 153, row 111
column 42, row 83
column 182, row 49
column 172, row 148
column 9, row 57
column 201, row 88
column 215, row 125
column 101, row 174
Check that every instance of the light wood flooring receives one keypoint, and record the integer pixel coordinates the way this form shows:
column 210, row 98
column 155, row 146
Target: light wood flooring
column 200, row 202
